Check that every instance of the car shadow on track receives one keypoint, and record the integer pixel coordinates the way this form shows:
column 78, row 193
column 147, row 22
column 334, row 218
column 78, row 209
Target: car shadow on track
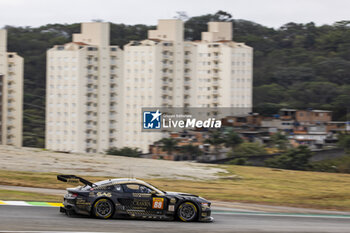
column 78, row 216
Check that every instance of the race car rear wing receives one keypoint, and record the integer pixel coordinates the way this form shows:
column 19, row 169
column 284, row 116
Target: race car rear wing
column 73, row 179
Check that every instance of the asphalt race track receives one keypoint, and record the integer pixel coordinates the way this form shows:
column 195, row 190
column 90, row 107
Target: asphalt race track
column 24, row 218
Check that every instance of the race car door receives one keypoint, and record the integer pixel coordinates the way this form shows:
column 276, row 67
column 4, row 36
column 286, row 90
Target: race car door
column 139, row 201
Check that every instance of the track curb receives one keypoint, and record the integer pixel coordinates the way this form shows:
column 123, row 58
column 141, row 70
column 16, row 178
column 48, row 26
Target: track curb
column 31, row 203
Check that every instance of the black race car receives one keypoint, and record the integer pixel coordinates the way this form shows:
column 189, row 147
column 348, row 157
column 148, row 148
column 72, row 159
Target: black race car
column 131, row 198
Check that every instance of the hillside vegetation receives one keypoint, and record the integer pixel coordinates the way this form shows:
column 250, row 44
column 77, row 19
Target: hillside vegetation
column 296, row 65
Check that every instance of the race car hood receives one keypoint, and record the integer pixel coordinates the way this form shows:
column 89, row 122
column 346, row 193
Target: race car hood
column 181, row 194
column 187, row 196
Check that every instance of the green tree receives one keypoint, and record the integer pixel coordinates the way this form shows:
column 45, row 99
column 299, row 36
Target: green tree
column 216, row 140
column 168, row 145
column 344, row 142
column 232, row 139
column 190, row 151
column 279, row 140
column 248, row 149
column 124, row 151
column 238, row 161
column 269, row 93
column 293, row 159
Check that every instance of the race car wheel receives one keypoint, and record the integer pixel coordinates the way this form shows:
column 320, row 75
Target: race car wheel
column 187, row 212
column 103, row 208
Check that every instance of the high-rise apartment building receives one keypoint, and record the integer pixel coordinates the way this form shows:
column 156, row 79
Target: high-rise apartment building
column 218, row 71
column 82, row 77
column 153, row 77
column 97, row 110
column 11, row 94
column 166, row 71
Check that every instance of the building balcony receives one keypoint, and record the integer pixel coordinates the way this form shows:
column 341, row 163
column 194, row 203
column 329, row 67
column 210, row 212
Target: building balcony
column 113, row 99
column 89, row 126
column 215, row 100
column 166, row 101
column 113, row 89
column 90, row 81
column 215, row 92
column 11, row 114
column 90, row 90
column 165, row 75
column 165, row 83
column 113, row 80
column 10, row 106
column 91, row 99
column 113, row 108
column 11, row 87
column 216, row 77
column 167, row 48
column 10, row 142
column 91, row 108
column 90, row 117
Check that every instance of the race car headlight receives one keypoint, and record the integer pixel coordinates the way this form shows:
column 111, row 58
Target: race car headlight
column 205, row 205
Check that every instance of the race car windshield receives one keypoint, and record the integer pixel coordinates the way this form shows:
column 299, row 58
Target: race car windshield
column 155, row 189
column 101, row 183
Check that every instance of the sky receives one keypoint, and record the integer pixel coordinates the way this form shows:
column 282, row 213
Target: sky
column 271, row 13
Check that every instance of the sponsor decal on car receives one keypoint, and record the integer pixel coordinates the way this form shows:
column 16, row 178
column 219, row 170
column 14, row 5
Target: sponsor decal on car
column 103, row 194
column 171, row 208
column 141, row 195
column 141, row 203
column 72, row 181
column 158, row 203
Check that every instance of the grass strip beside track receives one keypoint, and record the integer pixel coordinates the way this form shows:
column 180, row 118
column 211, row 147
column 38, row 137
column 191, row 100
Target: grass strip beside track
column 240, row 184
column 14, row 195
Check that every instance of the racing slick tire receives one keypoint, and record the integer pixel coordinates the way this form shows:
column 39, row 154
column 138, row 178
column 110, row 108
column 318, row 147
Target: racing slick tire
column 187, row 212
column 103, row 208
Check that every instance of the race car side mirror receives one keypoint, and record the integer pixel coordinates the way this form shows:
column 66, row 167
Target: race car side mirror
column 153, row 192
